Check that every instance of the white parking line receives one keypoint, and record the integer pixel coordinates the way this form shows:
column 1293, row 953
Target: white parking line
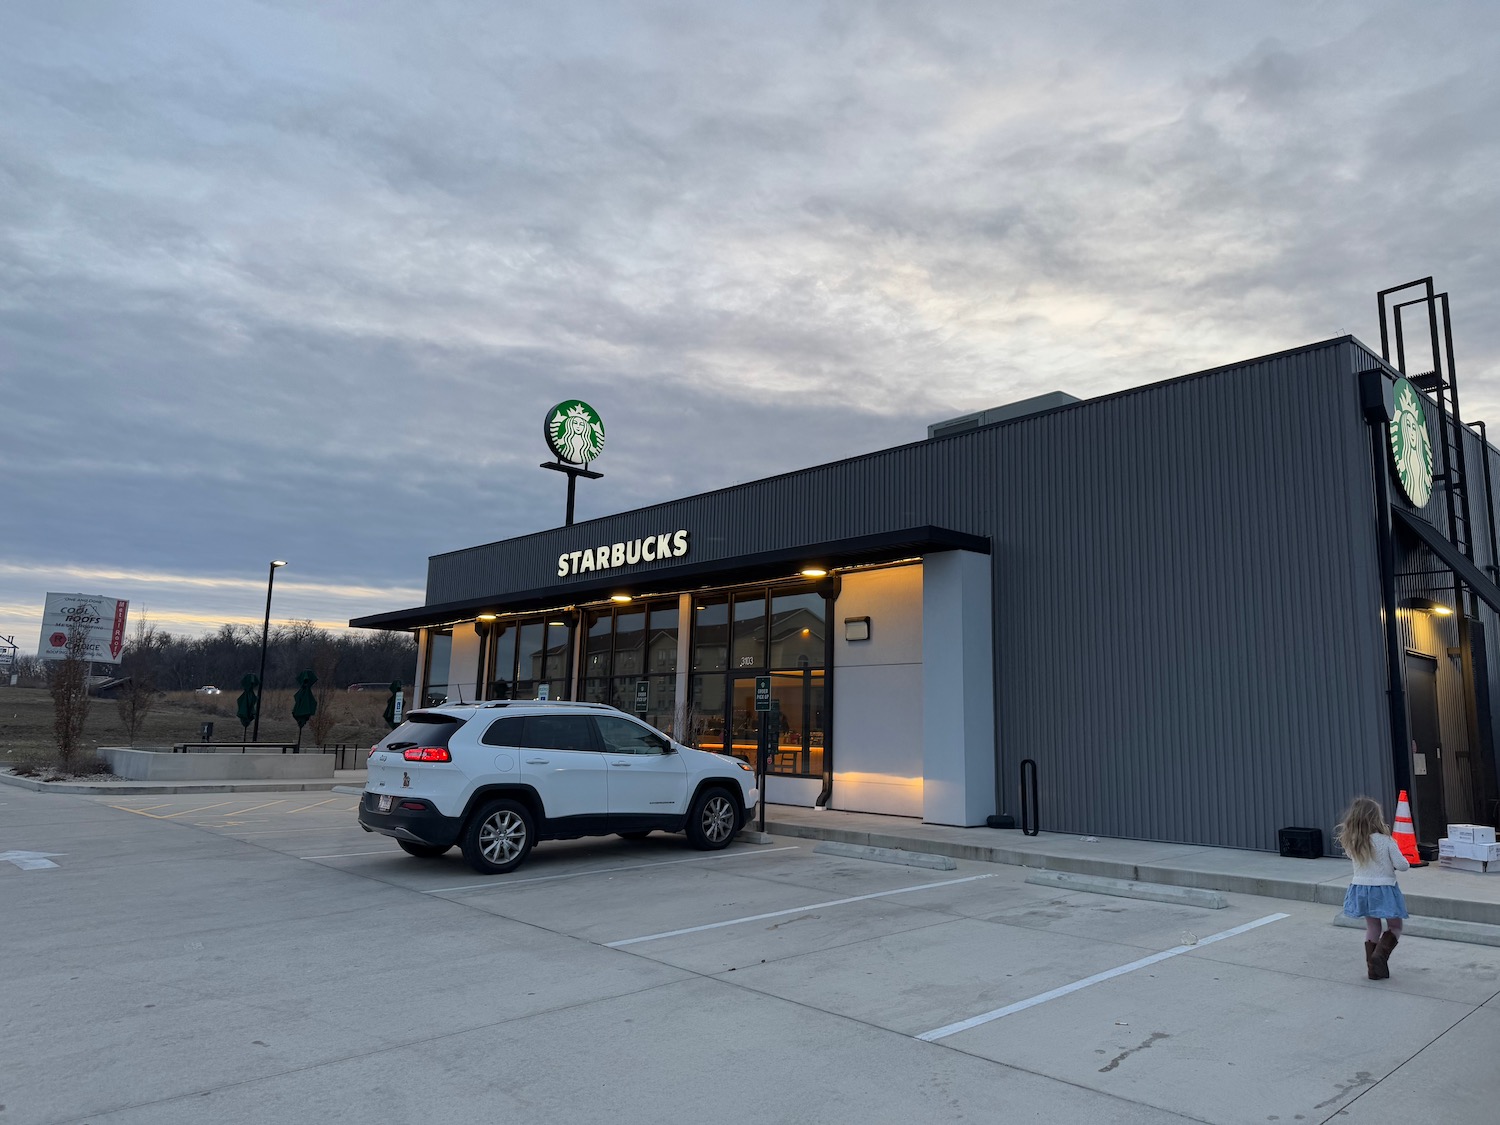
column 608, row 870
column 346, row 855
column 793, row 910
column 974, row 1021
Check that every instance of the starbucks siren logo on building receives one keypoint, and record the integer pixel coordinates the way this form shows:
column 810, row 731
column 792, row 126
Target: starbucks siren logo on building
column 575, row 432
column 1411, row 445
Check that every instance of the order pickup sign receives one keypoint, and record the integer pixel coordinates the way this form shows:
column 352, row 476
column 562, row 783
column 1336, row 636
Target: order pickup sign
column 762, row 693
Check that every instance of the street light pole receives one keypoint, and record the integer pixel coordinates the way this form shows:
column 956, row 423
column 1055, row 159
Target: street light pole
column 265, row 633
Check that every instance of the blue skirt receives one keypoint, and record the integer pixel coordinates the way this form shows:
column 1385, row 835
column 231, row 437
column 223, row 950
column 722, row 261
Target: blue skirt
column 1374, row 902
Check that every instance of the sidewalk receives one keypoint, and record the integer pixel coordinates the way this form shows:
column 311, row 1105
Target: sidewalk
column 341, row 779
column 1431, row 892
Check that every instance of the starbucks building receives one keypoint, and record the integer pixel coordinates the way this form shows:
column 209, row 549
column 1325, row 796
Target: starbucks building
column 1199, row 611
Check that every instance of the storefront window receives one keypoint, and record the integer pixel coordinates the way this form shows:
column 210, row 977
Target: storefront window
column 503, row 665
column 601, row 623
column 749, row 630
column 529, row 658
column 797, row 630
column 630, row 639
column 439, row 658
column 710, row 635
column 661, row 643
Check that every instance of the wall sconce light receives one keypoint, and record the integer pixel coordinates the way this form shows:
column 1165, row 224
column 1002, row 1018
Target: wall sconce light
column 856, row 628
column 619, row 599
column 814, row 572
column 483, row 623
column 1426, row 605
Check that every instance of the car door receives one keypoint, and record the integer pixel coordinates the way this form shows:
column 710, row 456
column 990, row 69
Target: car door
column 645, row 779
column 560, row 759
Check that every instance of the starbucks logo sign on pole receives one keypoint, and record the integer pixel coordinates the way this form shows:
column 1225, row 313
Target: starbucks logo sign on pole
column 1411, row 445
column 575, row 432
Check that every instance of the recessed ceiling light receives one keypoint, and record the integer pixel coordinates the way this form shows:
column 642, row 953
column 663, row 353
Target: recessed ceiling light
column 814, row 572
column 621, row 598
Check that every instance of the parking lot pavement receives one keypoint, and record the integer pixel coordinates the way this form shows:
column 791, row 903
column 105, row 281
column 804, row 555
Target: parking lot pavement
column 256, row 957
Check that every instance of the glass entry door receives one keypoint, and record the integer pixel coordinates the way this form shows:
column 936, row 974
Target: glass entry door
column 793, row 727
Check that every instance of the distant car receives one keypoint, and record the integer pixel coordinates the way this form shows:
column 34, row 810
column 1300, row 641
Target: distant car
column 496, row 777
column 208, row 689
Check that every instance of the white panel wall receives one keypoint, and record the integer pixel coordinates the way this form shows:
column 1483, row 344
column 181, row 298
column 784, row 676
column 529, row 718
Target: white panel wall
column 958, row 684
column 877, row 696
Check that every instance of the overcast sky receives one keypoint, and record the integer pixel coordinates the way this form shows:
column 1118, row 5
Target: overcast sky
column 300, row 280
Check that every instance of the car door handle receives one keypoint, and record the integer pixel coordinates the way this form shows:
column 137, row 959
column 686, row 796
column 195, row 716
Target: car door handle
column 620, row 765
column 537, row 761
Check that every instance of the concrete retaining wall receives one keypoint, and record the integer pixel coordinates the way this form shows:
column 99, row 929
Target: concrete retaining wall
column 155, row 765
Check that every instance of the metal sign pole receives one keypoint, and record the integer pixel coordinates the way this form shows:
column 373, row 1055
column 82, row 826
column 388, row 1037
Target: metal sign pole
column 763, row 714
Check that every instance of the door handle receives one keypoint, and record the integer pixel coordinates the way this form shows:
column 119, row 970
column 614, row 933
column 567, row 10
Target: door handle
column 620, row 765
column 537, row 761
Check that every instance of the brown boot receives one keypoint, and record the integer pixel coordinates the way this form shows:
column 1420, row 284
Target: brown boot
column 1382, row 954
column 1369, row 965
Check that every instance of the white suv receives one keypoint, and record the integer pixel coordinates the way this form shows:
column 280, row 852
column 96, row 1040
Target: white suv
column 496, row 777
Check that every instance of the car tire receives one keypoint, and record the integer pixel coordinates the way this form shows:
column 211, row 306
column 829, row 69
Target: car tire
column 637, row 835
column 423, row 851
column 498, row 837
column 713, row 821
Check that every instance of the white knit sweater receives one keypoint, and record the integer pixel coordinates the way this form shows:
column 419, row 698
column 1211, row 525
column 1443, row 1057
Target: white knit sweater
column 1382, row 868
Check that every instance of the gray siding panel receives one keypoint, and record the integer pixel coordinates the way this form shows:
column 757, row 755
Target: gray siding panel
column 1187, row 601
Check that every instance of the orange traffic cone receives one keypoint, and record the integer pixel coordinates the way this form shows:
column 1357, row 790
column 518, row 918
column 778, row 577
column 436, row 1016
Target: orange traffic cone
column 1405, row 836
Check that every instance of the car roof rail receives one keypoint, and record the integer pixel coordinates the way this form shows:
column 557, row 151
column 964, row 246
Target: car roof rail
column 581, row 704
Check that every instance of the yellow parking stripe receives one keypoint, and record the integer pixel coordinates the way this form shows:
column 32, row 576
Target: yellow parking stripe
column 320, row 804
column 267, row 805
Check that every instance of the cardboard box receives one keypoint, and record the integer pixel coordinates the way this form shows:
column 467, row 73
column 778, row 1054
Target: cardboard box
column 1471, row 833
column 1458, row 863
column 1457, row 849
column 1477, row 866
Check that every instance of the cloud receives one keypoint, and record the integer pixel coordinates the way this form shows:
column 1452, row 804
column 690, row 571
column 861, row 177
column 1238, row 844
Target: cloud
column 302, row 280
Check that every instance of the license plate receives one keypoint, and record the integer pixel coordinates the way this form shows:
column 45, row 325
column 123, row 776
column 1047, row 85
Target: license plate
column 384, row 804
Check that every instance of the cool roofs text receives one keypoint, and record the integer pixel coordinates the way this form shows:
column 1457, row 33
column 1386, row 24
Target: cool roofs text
column 607, row 556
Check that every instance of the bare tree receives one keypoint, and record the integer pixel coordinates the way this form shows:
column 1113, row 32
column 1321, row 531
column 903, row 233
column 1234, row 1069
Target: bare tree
column 68, row 684
column 138, row 665
column 325, row 665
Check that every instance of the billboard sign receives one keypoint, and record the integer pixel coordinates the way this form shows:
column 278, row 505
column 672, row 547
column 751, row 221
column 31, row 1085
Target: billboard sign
column 103, row 619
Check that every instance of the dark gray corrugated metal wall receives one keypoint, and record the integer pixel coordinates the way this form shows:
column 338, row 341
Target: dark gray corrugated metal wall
column 1187, row 593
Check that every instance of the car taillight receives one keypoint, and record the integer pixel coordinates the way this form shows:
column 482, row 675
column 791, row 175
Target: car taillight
column 371, row 754
column 415, row 806
column 427, row 754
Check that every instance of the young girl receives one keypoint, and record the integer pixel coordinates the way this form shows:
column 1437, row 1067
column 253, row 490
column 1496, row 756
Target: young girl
column 1373, row 893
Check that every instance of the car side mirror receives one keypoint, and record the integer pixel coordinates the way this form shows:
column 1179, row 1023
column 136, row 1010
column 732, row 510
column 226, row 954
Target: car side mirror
column 669, row 748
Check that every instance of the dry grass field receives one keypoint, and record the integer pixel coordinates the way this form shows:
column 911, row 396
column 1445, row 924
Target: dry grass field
column 26, row 717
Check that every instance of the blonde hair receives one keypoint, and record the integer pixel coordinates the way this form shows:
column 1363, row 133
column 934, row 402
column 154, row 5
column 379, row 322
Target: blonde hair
column 1363, row 819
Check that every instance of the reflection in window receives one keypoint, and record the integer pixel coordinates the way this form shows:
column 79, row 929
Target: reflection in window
column 710, row 635
column 630, row 638
column 749, row 631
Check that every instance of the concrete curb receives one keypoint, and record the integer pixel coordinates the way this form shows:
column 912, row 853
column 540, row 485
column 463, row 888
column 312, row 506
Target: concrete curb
column 1442, row 929
column 352, row 790
column 153, row 789
column 1328, row 891
column 752, row 836
column 1124, row 888
column 887, row 855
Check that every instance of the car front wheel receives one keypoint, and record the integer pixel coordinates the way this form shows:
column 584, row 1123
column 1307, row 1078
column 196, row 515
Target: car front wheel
column 713, row 820
column 423, row 851
column 498, row 837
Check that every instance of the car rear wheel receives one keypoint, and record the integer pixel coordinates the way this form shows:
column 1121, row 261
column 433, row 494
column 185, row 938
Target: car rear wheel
column 423, row 851
column 713, row 820
column 498, row 837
